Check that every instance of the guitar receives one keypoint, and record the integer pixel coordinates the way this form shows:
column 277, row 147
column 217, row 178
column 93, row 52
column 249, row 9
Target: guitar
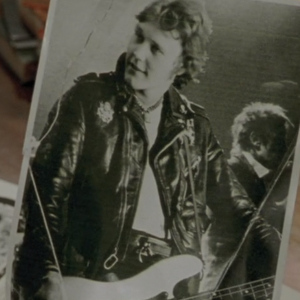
column 161, row 277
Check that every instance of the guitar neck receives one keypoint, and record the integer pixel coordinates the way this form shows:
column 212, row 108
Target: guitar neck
column 256, row 290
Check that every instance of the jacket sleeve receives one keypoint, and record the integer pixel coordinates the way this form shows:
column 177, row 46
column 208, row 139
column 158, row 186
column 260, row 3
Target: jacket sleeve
column 53, row 170
column 230, row 211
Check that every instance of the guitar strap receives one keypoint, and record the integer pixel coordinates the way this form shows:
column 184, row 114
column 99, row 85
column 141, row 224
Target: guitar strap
column 47, row 231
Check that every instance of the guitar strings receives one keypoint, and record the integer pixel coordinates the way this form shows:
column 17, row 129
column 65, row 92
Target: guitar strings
column 268, row 290
column 266, row 287
column 265, row 292
column 263, row 281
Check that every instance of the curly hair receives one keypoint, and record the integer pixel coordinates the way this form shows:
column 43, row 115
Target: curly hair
column 190, row 19
column 260, row 118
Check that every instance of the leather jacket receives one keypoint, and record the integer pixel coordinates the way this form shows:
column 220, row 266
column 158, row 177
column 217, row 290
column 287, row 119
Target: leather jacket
column 88, row 171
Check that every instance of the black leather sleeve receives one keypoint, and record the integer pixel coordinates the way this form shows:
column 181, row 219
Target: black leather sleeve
column 46, row 198
column 234, row 216
column 230, row 211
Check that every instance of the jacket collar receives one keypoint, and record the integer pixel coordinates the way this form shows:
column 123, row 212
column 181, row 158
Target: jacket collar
column 179, row 106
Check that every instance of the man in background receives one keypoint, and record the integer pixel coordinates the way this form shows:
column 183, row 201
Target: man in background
column 260, row 135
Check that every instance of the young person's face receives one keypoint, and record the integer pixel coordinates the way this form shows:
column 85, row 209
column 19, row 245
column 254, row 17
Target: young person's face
column 153, row 58
column 271, row 152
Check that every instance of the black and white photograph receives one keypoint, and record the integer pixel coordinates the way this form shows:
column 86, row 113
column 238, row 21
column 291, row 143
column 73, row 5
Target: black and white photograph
column 161, row 158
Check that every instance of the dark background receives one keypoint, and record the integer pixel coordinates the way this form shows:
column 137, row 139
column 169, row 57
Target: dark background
column 252, row 42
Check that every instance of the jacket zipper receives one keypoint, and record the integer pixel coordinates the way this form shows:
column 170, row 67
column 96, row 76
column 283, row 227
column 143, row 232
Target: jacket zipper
column 140, row 122
column 112, row 259
column 160, row 176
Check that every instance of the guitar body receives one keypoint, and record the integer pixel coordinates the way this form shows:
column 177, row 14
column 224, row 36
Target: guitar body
column 161, row 277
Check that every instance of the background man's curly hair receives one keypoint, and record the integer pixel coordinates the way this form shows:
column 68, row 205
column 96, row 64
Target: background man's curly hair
column 260, row 118
column 189, row 18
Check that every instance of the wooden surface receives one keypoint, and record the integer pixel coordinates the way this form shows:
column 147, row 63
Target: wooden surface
column 14, row 109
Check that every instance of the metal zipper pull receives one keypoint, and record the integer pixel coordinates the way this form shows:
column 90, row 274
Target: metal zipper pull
column 111, row 261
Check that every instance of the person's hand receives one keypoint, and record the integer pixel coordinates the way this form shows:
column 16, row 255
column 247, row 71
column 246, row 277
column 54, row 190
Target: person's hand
column 51, row 288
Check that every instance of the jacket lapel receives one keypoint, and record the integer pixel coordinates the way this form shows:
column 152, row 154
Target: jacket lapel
column 175, row 120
